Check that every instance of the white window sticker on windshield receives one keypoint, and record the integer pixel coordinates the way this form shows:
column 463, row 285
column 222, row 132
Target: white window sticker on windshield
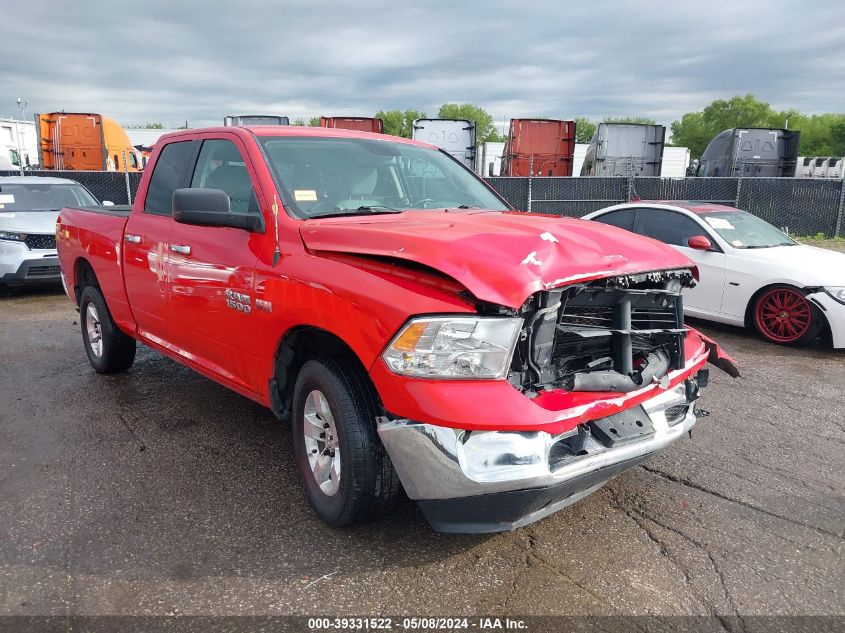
column 305, row 195
column 7, row 198
column 737, row 242
column 719, row 223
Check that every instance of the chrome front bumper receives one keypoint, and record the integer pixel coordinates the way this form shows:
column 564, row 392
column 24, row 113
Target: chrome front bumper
column 435, row 462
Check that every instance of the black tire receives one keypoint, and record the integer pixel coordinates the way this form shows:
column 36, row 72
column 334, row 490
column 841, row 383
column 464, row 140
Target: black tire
column 368, row 485
column 118, row 349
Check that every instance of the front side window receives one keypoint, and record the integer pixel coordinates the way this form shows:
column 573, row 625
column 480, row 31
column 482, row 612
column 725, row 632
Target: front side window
column 322, row 176
column 168, row 176
column 740, row 229
column 221, row 166
column 669, row 227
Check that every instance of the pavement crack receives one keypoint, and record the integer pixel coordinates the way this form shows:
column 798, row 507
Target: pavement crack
column 744, row 504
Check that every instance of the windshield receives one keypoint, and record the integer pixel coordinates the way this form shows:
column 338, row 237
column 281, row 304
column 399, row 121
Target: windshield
column 36, row 197
column 740, row 229
column 323, row 176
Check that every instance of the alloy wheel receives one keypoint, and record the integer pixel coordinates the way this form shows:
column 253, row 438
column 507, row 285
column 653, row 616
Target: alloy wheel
column 322, row 444
column 783, row 315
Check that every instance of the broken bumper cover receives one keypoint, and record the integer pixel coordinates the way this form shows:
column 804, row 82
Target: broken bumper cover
column 492, row 481
column 834, row 313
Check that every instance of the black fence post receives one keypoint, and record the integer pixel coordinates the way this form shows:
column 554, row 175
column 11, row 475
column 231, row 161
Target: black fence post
column 838, row 231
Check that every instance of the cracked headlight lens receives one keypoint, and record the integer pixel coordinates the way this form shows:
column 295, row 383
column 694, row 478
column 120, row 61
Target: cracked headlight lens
column 837, row 292
column 454, row 347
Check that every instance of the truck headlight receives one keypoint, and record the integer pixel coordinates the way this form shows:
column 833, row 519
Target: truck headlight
column 454, row 347
column 11, row 236
column 837, row 292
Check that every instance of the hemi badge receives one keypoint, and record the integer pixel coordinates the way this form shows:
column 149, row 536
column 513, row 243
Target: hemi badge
column 261, row 304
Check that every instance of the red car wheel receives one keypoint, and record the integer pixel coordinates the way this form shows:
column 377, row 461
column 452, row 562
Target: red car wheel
column 783, row 315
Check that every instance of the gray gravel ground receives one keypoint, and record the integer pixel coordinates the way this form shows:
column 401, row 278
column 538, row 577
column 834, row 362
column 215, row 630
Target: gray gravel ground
column 160, row 492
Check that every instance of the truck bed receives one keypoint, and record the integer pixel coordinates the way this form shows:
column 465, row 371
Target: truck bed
column 95, row 235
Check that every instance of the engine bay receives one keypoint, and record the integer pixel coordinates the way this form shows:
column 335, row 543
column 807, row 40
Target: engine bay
column 613, row 334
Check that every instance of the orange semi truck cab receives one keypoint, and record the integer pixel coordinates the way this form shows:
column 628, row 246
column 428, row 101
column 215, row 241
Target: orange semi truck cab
column 84, row 142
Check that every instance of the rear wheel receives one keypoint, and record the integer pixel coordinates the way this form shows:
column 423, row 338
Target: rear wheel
column 109, row 350
column 783, row 315
column 344, row 467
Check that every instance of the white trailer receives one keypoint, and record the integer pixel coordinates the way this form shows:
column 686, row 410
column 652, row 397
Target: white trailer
column 835, row 167
column 455, row 136
column 804, row 167
column 18, row 144
column 675, row 162
column 578, row 157
column 820, row 167
column 490, row 159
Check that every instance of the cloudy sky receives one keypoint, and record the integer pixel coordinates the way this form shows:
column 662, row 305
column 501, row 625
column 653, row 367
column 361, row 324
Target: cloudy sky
column 173, row 61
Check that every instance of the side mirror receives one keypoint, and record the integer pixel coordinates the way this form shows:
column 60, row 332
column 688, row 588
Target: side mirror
column 211, row 207
column 108, row 203
column 699, row 243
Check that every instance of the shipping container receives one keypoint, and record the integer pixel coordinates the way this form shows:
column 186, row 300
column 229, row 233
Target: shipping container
column 455, row 136
column 362, row 124
column 84, row 141
column 255, row 119
column 751, row 152
column 539, row 147
column 625, row 149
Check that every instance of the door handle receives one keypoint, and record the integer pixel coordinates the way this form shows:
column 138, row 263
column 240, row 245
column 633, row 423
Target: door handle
column 135, row 239
column 184, row 249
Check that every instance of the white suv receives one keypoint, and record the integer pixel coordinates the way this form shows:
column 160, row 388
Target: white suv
column 29, row 206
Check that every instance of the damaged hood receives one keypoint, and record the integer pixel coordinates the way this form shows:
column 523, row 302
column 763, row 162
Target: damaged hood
column 500, row 257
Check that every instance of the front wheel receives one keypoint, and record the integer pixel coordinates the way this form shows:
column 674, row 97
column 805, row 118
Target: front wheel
column 109, row 350
column 783, row 315
column 344, row 467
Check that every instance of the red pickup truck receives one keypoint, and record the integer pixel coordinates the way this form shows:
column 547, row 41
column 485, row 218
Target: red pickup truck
column 418, row 333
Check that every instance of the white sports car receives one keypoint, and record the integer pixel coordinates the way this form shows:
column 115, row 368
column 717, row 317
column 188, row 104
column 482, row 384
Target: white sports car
column 751, row 274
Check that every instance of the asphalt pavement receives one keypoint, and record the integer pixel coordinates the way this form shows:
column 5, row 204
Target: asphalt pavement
column 160, row 492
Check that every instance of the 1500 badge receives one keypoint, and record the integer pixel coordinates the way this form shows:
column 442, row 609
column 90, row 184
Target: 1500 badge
column 238, row 301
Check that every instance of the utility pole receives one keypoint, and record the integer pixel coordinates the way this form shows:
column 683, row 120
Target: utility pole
column 22, row 106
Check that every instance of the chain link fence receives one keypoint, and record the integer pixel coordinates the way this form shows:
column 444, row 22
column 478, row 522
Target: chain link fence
column 114, row 186
column 801, row 206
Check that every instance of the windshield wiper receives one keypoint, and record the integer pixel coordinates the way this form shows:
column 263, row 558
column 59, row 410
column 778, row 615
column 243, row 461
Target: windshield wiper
column 362, row 210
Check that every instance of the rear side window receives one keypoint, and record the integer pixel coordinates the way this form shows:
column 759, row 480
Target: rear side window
column 221, row 166
column 168, row 176
column 624, row 219
column 667, row 226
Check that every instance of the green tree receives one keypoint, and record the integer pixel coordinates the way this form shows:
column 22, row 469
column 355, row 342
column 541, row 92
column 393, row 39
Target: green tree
column 485, row 129
column 300, row 122
column 398, row 122
column 696, row 129
column 821, row 134
column 584, row 129
column 145, row 126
